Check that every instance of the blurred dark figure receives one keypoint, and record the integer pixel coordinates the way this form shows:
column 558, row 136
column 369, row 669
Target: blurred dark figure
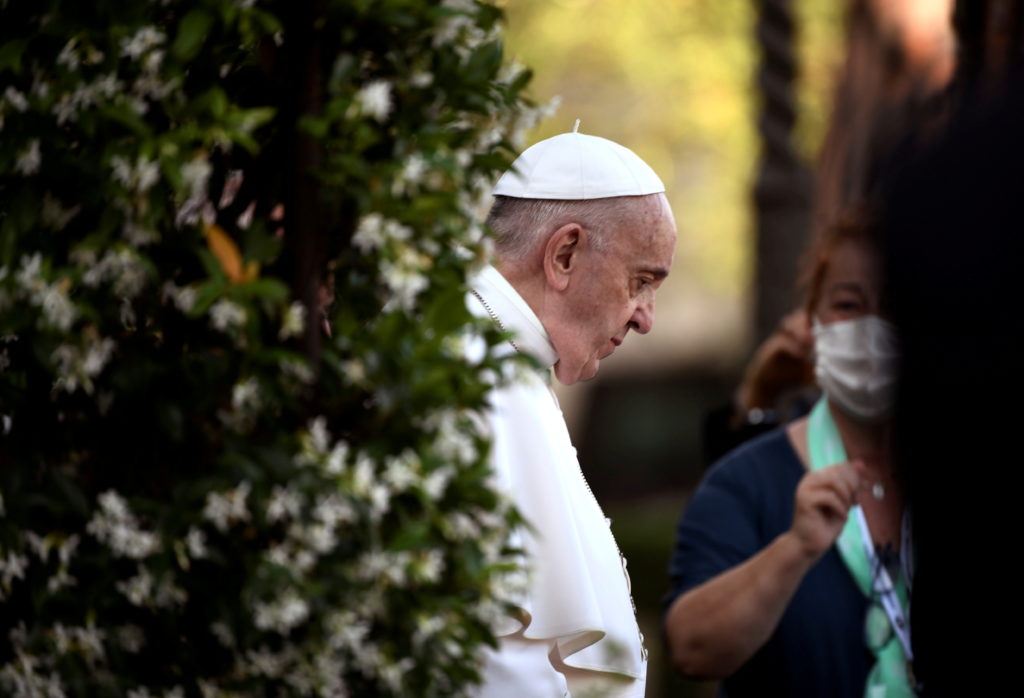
column 954, row 232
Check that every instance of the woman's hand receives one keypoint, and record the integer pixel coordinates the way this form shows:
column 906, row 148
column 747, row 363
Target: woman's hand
column 783, row 361
column 823, row 501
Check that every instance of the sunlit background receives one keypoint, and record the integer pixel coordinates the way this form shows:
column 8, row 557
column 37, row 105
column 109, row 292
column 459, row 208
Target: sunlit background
column 674, row 81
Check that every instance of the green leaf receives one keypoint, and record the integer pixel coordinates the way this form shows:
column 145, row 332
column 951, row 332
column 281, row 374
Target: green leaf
column 191, row 33
column 271, row 289
column 484, row 62
column 11, row 53
column 126, row 116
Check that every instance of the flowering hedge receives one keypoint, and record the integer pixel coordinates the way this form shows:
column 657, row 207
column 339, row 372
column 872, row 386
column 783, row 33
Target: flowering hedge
column 237, row 446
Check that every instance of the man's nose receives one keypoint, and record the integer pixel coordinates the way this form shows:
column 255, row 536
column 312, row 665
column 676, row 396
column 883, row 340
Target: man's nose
column 643, row 317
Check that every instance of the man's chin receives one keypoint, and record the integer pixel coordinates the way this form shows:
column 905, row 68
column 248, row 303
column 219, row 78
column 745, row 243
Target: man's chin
column 567, row 376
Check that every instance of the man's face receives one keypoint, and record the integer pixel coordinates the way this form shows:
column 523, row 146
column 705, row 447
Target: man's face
column 612, row 291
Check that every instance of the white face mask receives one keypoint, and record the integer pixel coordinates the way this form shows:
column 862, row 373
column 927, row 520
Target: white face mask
column 856, row 364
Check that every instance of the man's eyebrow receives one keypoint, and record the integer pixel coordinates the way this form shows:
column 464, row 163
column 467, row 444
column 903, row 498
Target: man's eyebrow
column 656, row 272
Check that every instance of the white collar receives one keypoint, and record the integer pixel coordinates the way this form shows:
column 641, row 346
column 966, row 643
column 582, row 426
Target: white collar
column 514, row 314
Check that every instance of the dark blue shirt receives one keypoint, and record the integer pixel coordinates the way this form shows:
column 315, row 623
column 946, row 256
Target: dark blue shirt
column 744, row 503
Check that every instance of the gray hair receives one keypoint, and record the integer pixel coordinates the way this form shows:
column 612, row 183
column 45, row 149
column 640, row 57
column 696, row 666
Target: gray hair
column 518, row 224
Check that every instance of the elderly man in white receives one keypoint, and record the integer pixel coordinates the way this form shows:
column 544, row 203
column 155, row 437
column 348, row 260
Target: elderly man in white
column 584, row 238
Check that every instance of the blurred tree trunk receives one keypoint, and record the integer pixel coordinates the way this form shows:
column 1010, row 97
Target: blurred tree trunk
column 782, row 192
column 305, row 235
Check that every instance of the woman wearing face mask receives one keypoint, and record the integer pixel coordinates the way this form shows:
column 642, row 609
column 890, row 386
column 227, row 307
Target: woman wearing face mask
column 790, row 571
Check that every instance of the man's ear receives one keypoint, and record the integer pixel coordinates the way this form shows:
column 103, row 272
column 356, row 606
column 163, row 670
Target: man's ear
column 562, row 253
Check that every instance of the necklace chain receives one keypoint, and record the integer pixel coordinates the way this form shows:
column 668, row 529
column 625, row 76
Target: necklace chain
column 625, row 571
column 494, row 316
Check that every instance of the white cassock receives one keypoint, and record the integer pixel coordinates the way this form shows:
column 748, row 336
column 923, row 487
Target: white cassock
column 578, row 634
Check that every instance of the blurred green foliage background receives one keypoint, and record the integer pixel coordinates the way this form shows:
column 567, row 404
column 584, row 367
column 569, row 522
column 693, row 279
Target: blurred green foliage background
column 674, row 81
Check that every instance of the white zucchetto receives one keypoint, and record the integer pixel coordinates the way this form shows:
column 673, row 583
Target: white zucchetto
column 574, row 166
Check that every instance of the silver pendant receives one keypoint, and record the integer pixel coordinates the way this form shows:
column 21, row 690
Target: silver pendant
column 878, row 491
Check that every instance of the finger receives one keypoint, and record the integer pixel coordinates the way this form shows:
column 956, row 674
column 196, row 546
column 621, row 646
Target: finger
column 831, row 504
column 841, row 479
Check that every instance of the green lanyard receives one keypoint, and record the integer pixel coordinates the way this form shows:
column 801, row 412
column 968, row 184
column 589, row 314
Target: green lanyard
column 888, row 678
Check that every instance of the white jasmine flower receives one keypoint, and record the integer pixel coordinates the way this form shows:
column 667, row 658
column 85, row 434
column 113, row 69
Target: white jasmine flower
column 195, row 540
column 223, row 633
column 279, row 555
column 369, row 233
column 404, row 283
column 68, row 56
column 115, row 525
column 67, row 548
column 13, row 567
column 336, row 460
column 152, row 62
column 399, row 473
column 183, row 297
column 107, row 85
column 462, row 526
column 436, row 482
column 509, row 71
column 195, row 174
column 138, row 234
column 245, row 395
column 282, row 614
column 97, row 356
column 138, row 589
column 284, row 502
column 147, row 172
column 299, row 370
column 142, row 41
column 294, row 322
column 332, row 510
column 414, row 167
column 320, row 436
column 58, row 310
column 355, row 371
column 90, row 642
column 380, row 500
column 374, row 99
column 372, row 565
column 54, row 215
column 450, row 28
column 421, row 78
column 61, row 638
column 29, row 272
column 138, row 177
column 346, row 630
column 16, row 99
column 222, row 510
column 226, row 315
column 363, row 476
column 60, row 580
column 168, row 594
column 429, row 566
column 29, row 159
column 263, row 662
column 321, row 538
column 39, row 545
